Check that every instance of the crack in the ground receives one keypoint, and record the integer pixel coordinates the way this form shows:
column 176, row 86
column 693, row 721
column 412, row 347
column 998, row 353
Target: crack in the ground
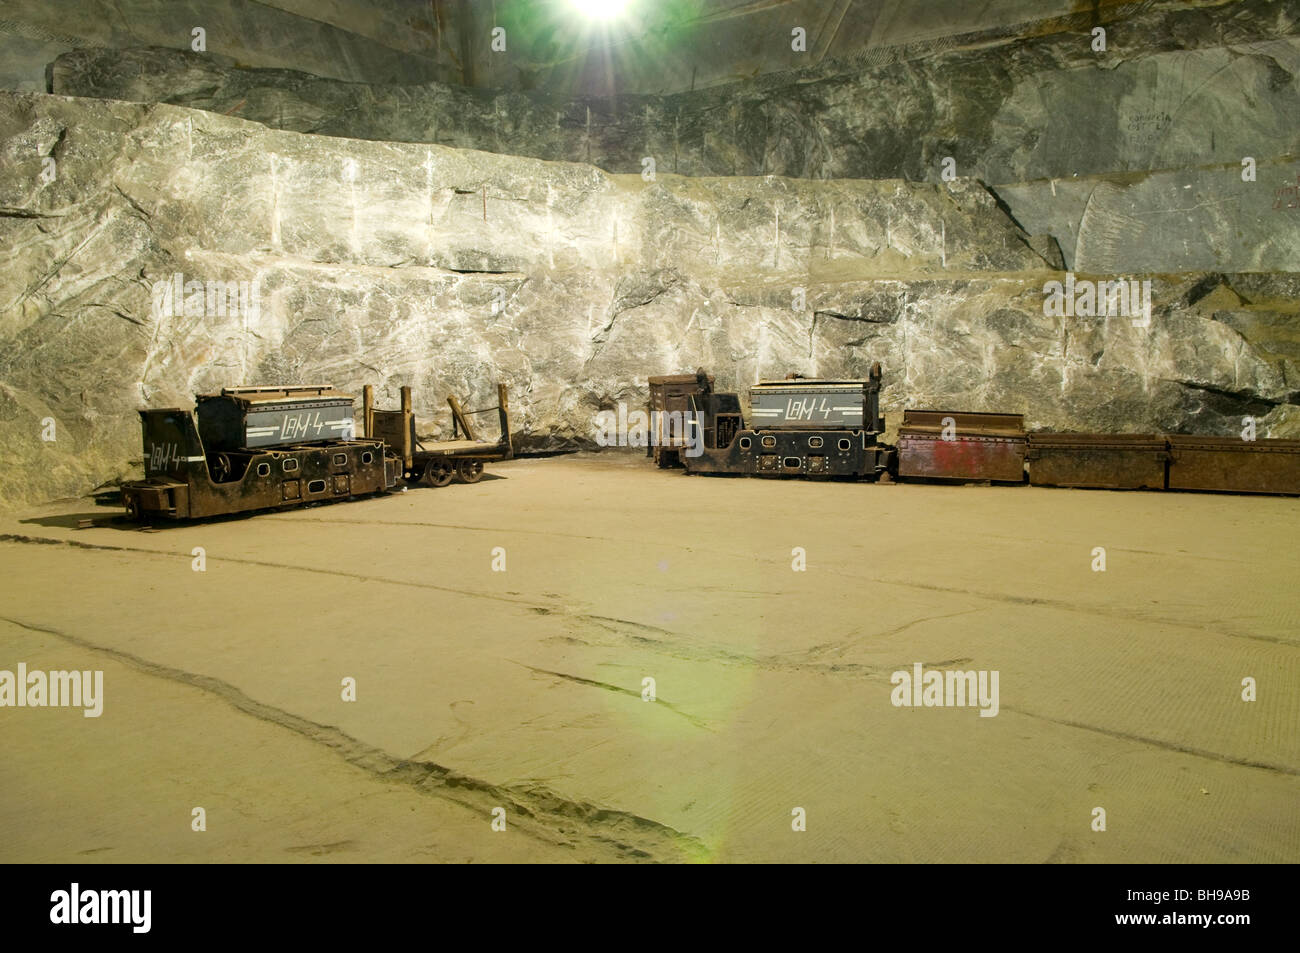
column 1061, row 605
column 671, row 649
column 549, row 817
column 1127, row 614
column 1158, row 743
column 698, row 652
column 1006, row 598
column 593, row 683
column 244, row 561
column 845, row 646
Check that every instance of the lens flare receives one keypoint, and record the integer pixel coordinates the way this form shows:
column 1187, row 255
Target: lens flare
column 600, row 9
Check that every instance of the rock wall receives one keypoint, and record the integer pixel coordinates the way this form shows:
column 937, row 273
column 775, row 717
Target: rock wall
column 1117, row 155
column 447, row 269
column 393, row 42
column 661, row 46
column 1176, row 86
column 1203, row 218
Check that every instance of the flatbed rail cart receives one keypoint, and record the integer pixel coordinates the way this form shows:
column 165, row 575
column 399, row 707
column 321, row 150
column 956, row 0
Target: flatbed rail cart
column 437, row 463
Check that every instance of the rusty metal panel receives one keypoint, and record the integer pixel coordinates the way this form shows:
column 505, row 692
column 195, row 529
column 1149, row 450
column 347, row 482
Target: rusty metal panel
column 394, row 428
column 156, row 497
column 240, row 481
column 1233, row 465
column 1110, row 461
column 961, row 458
column 673, row 394
column 960, row 445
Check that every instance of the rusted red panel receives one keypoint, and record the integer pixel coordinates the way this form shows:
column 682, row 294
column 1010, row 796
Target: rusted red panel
column 1110, row 461
column 959, row 445
column 962, row 458
column 1233, row 465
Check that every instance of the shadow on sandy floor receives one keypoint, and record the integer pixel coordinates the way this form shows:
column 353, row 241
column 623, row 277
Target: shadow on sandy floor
column 116, row 517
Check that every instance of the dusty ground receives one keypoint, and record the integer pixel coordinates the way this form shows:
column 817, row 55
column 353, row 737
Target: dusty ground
column 522, row 689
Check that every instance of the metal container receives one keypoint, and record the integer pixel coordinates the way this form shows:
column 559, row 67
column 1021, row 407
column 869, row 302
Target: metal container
column 1233, row 465
column 815, row 405
column 1111, row 461
column 953, row 445
column 246, row 417
column 672, row 402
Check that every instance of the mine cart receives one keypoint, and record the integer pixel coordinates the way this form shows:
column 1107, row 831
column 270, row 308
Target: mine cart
column 437, row 463
column 955, row 445
column 672, row 398
column 1234, row 465
column 1109, row 461
column 254, row 448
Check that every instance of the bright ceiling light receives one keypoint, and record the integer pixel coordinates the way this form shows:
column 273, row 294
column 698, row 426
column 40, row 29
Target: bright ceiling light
column 600, row 9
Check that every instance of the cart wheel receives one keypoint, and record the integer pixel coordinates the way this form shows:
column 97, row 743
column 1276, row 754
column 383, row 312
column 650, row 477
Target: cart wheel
column 469, row 471
column 221, row 468
column 437, row 473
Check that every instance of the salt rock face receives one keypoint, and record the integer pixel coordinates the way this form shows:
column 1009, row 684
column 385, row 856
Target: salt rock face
column 1117, row 156
column 1185, row 220
column 1174, row 88
column 448, row 270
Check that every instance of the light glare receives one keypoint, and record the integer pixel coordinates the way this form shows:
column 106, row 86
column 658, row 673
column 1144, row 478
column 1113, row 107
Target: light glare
column 600, row 9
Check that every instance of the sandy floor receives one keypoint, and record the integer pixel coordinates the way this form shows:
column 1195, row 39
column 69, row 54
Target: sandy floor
column 522, row 689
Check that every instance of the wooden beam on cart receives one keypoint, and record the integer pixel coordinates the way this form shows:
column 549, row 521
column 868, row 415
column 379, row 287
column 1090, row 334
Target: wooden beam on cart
column 459, row 419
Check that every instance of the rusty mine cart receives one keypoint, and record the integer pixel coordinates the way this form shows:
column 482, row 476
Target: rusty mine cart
column 437, row 463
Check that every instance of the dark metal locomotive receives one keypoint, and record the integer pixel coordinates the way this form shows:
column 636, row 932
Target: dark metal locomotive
column 262, row 448
column 817, row 428
column 253, row 448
